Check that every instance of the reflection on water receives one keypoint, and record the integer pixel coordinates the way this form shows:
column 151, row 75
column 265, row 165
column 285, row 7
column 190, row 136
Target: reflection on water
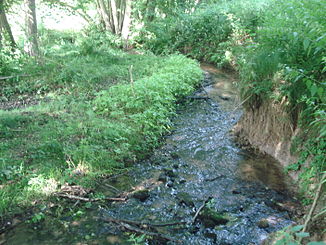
column 263, row 169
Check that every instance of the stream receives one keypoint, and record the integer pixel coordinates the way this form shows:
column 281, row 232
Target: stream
column 198, row 163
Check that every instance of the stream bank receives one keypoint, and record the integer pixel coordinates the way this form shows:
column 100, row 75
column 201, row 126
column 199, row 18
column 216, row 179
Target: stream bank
column 247, row 194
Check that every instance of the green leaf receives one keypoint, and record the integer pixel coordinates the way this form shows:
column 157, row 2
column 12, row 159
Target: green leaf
column 302, row 234
column 320, row 92
column 316, row 243
column 296, row 228
column 306, row 44
column 308, row 83
column 313, row 89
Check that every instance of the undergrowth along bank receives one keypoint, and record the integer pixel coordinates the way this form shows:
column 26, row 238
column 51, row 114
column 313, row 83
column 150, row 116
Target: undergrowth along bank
column 278, row 48
column 89, row 128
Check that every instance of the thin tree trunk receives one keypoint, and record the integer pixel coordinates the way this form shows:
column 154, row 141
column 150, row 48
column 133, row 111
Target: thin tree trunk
column 126, row 21
column 5, row 27
column 115, row 17
column 31, row 45
column 120, row 13
column 104, row 14
column 0, row 41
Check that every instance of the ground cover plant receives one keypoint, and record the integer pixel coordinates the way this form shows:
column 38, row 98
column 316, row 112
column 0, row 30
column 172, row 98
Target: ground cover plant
column 101, row 110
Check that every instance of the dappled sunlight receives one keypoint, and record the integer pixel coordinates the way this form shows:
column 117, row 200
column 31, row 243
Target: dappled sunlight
column 42, row 185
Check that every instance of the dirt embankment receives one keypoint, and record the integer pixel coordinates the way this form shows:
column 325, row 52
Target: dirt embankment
column 269, row 129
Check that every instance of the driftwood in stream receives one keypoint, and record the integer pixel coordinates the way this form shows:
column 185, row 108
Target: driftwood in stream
column 134, row 226
column 86, row 199
column 147, row 228
column 143, row 224
column 200, row 209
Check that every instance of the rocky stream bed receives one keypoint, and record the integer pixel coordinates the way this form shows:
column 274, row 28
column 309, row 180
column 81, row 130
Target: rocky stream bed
column 242, row 197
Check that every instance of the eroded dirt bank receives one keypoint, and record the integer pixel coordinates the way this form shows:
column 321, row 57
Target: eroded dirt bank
column 269, row 129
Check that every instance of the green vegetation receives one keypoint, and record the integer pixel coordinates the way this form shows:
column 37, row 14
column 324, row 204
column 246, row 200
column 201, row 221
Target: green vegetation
column 94, row 109
column 279, row 49
column 93, row 119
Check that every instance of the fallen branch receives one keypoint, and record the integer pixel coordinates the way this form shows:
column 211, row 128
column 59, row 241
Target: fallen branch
column 85, row 199
column 148, row 233
column 143, row 224
column 215, row 178
column 198, row 211
column 112, row 188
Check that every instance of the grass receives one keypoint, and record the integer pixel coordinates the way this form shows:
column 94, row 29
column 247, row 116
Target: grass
column 68, row 138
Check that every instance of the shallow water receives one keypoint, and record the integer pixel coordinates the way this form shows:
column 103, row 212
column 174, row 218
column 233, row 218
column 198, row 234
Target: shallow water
column 198, row 159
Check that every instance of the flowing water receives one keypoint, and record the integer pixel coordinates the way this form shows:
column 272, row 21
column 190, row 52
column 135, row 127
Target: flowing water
column 198, row 162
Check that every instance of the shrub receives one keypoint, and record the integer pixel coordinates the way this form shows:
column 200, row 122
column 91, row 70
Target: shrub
column 208, row 33
column 144, row 107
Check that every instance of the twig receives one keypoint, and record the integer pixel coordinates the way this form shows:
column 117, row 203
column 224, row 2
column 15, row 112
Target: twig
column 131, row 80
column 198, row 211
column 313, row 206
column 85, row 199
column 22, row 75
column 203, row 88
column 112, row 187
column 237, row 107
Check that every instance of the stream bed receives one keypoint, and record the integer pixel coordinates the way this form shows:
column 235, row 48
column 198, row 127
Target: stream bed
column 198, row 163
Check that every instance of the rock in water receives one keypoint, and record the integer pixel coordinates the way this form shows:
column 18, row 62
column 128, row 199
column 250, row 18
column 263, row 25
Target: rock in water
column 263, row 223
column 211, row 218
column 185, row 198
column 141, row 195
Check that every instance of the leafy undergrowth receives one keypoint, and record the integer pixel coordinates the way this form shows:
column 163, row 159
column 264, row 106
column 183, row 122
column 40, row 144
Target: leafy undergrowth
column 102, row 116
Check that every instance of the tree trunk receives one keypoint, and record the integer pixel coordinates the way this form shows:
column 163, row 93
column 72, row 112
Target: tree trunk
column 104, row 14
column 31, row 44
column 126, row 21
column 114, row 12
column 5, row 29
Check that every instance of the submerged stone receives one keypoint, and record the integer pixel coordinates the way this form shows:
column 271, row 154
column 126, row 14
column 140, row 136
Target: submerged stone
column 263, row 223
column 211, row 235
column 182, row 181
column 211, row 218
column 185, row 198
column 169, row 184
column 163, row 177
column 174, row 155
column 141, row 195
column 170, row 173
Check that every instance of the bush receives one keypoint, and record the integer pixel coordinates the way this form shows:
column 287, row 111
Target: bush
column 287, row 60
column 143, row 109
column 208, row 33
